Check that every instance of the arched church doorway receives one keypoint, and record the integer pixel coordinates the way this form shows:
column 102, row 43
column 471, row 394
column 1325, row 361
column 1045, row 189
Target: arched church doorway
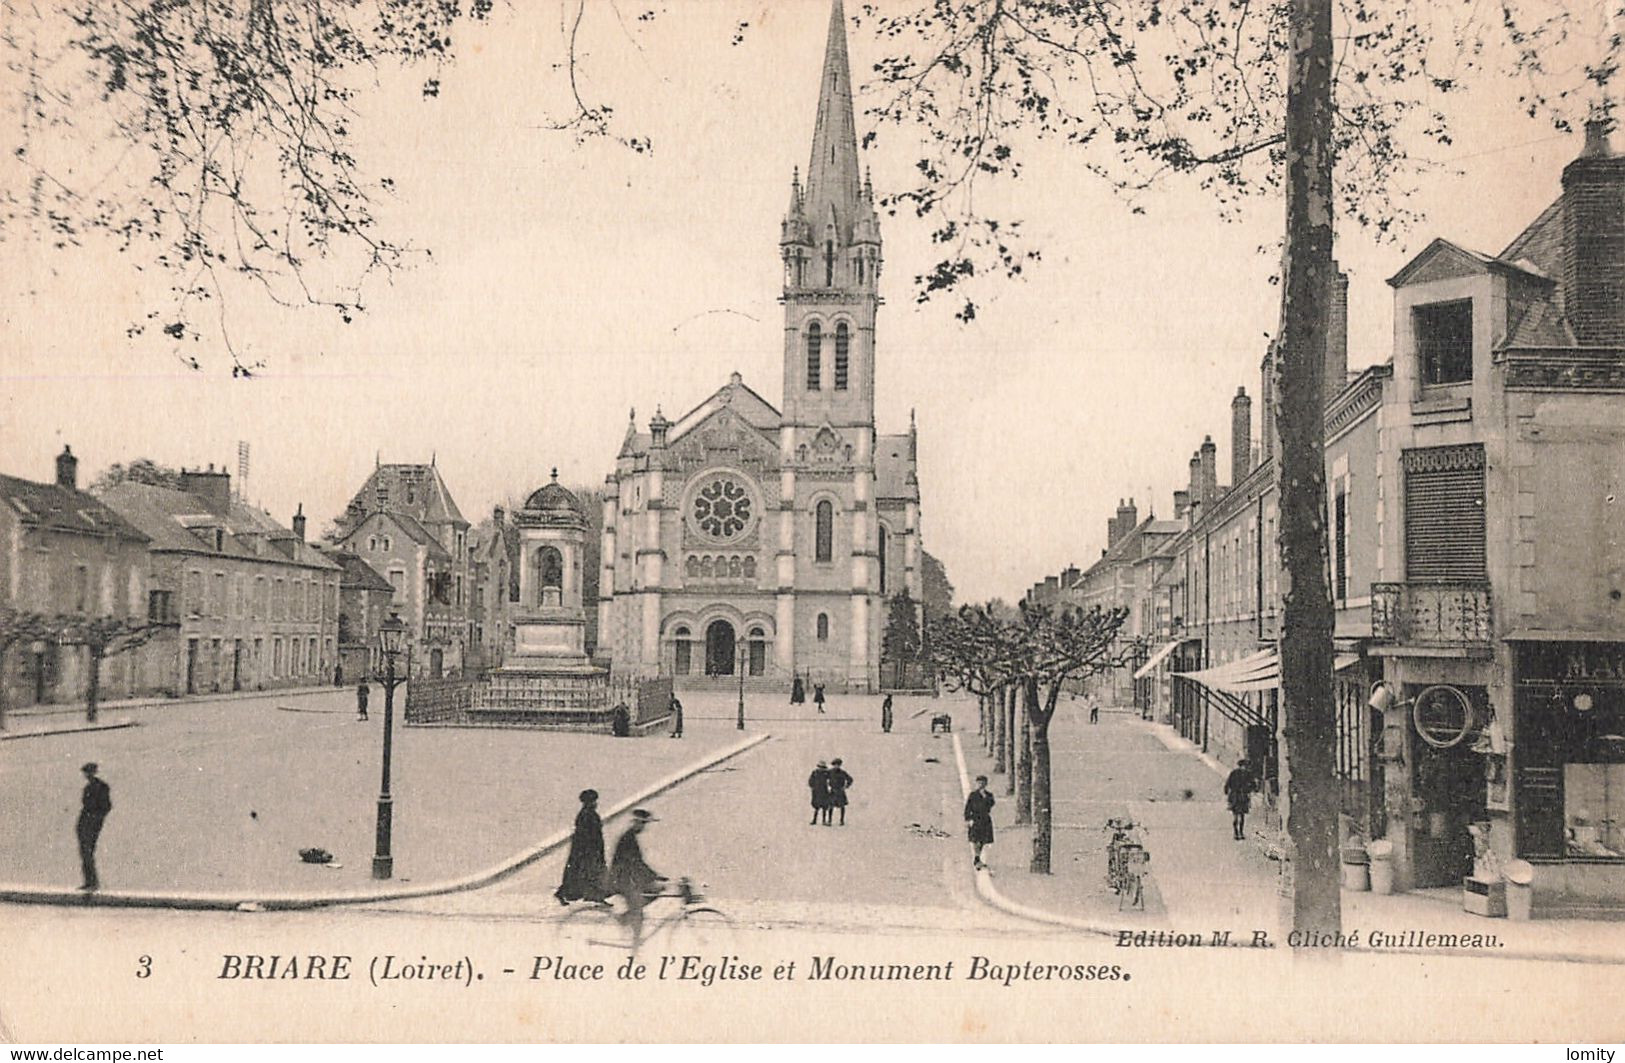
column 719, row 648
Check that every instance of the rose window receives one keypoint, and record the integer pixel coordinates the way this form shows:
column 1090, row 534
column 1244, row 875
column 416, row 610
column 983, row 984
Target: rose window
column 722, row 508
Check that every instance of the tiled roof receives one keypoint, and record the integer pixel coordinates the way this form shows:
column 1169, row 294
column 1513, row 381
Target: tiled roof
column 418, row 491
column 166, row 516
column 61, row 509
column 358, row 575
column 893, row 467
column 1542, row 325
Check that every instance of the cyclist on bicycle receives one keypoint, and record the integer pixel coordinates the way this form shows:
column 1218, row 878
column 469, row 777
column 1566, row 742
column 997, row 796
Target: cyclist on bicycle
column 631, row 877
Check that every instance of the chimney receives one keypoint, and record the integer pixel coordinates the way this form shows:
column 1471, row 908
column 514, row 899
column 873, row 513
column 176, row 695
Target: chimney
column 1182, row 502
column 1069, row 576
column 67, row 469
column 299, row 522
column 1194, row 495
column 212, row 488
column 1241, row 436
column 1128, row 518
column 1266, row 412
column 1337, row 336
column 1594, row 240
column 1210, row 470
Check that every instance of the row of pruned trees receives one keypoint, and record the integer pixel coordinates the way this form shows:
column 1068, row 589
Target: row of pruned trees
column 100, row 636
column 1018, row 666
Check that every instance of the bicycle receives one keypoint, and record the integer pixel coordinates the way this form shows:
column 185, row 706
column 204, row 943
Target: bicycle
column 1126, row 857
column 695, row 924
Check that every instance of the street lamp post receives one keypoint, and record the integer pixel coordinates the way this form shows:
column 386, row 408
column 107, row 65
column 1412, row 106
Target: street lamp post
column 391, row 641
column 740, row 723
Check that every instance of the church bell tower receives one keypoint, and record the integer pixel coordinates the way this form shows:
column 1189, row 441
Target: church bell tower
column 830, row 243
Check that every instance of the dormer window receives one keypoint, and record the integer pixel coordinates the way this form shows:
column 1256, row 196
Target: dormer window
column 1444, row 342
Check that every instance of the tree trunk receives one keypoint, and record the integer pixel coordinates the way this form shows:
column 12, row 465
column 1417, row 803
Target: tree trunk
column 1305, row 644
column 1024, row 758
column 1043, row 821
column 998, row 730
column 1007, row 706
column 93, row 681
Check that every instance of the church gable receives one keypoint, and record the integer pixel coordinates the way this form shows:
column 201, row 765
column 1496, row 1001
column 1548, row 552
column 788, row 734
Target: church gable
column 723, row 438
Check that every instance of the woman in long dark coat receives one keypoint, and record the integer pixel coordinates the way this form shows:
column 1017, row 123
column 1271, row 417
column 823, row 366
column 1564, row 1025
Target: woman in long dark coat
column 818, row 783
column 584, row 868
column 979, row 819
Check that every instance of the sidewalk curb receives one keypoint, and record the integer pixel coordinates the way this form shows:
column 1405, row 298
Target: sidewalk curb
column 81, row 729
column 990, row 893
column 294, row 902
column 163, row 702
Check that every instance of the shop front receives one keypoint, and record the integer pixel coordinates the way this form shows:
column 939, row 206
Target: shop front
column 1568, row 770
column 1434, row 739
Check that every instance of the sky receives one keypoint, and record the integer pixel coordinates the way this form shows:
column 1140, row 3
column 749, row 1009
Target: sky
column 568, row 284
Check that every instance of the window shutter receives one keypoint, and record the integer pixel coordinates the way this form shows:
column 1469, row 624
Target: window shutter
column 1444, row 513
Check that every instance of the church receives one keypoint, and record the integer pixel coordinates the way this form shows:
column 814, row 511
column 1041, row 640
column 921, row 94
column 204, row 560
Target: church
column 746, row 537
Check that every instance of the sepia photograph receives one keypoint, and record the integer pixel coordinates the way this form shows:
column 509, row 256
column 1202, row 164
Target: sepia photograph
column 822, row 521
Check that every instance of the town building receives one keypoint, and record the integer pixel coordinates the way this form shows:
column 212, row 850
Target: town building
column 67, row 556
column 745, row 536
column 365, row 599
column 404, row 523
column 1498, row 613
column 255, row 606
column 494, row 564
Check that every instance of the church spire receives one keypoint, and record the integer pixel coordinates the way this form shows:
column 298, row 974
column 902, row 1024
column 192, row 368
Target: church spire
column 834, row 186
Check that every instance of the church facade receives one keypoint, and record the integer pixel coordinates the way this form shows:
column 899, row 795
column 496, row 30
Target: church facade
column 747, row 537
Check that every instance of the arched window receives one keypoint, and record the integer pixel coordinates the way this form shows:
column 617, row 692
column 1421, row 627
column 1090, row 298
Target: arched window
column 685, row 652
column 842, row 343
column 829, row 263
column 883, row 541
column 824, row 532
column 736, row 568
column 823, row 627
column 758, row 651
column 705, row 567
column 692, row 567
column 750, row 568
column 815, row 343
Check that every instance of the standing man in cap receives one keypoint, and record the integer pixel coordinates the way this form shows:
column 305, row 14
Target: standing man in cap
column 94, row 805
column 631, row 876
column 839, row 780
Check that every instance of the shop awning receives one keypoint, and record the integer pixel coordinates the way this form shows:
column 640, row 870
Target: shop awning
column 1260, row 671
column 1155, row 659
column 1345, row 660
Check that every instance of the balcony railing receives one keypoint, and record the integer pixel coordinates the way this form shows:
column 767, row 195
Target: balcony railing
column 1431, row 614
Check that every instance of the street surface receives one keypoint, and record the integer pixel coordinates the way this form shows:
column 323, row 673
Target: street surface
column 221, row 796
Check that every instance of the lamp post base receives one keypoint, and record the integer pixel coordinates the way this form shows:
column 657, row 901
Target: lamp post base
column 383, row 867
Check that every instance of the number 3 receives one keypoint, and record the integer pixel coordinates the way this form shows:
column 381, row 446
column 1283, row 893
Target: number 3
column 146, row 967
